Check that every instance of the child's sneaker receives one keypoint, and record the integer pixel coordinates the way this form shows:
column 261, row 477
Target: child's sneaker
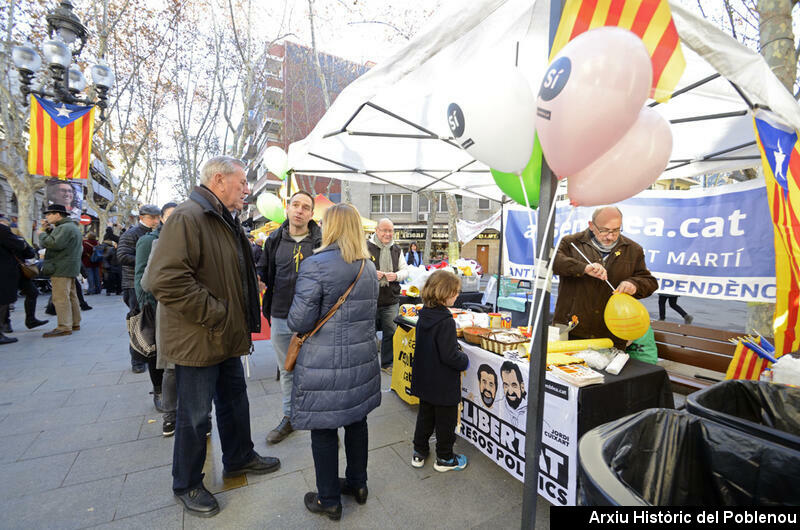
column 417, row 459
column 458, row 462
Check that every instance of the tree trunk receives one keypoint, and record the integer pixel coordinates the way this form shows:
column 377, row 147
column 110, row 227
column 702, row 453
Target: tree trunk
column 777, row 47
column 777, row 39
column 426, row 253
column 326, row 98
column 453, row 252
column 24, row 210
column 102, row 223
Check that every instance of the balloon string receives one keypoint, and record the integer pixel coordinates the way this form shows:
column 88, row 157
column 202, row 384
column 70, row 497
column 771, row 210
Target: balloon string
column 550, row 265
column 536, row 259
column 589, row 262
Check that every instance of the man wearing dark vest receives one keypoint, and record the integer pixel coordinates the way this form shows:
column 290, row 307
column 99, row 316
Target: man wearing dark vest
column 392, row 270
column 278, row 268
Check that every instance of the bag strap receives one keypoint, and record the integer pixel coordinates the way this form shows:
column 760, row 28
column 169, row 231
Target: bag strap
column 337, row 305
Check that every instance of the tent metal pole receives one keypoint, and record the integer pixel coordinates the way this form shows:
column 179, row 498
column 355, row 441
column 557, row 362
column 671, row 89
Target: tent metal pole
column 425, row 172
column 428, row 134
column 711, row 116
column 392, row 135
column 688, row 88
column 719, row 158
column 538, row 357
column 714, row 155
column 500, row 254
column 742, row 94
column 439, row 179
column 360, row 171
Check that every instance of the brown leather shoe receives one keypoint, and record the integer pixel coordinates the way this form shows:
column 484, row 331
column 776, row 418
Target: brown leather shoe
column 57, row 333
column 76, row 328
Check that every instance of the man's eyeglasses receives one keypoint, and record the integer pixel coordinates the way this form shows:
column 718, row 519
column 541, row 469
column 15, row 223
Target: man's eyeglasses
column 607, row 231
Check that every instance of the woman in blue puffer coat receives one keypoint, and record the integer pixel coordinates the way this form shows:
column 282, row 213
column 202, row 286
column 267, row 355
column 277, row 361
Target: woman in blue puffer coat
column 337, row 378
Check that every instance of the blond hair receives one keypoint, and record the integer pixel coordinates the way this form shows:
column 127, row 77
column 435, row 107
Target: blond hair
column 440, row 286
column 341, row 224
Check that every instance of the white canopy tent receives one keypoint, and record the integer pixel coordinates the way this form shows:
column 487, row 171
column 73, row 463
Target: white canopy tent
column 389, row 125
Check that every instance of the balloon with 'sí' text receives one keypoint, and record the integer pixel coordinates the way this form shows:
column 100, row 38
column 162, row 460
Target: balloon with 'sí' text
column 590, row 96
column 491, row 114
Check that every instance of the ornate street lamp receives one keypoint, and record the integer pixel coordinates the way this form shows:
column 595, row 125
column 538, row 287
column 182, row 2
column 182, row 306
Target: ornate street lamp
column 66, row 82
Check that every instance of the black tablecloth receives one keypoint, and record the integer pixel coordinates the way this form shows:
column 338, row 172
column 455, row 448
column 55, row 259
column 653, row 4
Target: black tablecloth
column 474, row 297
column 639, row 386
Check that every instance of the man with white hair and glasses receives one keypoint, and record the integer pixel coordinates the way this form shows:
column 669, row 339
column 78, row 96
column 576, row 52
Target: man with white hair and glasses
column 204, row 279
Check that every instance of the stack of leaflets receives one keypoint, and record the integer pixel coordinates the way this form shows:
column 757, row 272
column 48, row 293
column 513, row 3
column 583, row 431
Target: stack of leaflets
column 578, row 375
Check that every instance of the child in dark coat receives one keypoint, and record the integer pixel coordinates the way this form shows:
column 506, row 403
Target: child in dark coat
column 436, row 375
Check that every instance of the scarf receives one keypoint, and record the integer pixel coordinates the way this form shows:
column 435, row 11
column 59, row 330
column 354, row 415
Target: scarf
column 605, row 250
column 384, row 259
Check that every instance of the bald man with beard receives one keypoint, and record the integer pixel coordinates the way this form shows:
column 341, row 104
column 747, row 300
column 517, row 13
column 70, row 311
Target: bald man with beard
column 583, row 290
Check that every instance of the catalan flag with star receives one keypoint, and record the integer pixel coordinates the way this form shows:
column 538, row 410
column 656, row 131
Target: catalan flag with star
column 780, row 156
column 650, row 20
column 60, row 139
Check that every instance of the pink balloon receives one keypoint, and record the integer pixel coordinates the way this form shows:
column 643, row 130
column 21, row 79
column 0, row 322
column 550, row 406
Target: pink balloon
column 630, row 166
column 590, row 96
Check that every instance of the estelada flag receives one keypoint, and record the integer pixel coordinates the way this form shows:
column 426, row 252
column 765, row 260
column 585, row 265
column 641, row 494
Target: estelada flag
column 650, row 20
column 780, row 156
column 61, row 139
column 746, row 364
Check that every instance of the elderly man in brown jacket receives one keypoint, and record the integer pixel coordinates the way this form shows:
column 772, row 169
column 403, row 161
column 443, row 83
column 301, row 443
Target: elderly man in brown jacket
column 204, row 279
column 582, row 288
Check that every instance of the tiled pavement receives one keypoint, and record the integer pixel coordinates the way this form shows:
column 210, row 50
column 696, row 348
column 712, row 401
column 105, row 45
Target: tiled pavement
column 81, row 446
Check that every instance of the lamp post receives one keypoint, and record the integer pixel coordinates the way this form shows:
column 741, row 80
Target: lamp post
column 62, row 81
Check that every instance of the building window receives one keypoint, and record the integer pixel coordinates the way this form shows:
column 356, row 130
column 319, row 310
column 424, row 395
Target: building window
column 393, row 202
column 377, row 203
column 423, row 204
column 484, row 204
column 400, row 202
column 441, row 203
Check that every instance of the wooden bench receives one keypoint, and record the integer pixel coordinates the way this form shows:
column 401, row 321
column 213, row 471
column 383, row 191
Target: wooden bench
column 694, row 347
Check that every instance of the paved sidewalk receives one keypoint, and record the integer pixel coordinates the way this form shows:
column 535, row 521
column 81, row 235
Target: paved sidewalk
column 81, row 446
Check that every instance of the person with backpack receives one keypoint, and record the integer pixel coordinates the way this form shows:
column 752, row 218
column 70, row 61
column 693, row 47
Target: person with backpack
column 111, row 267
column 91, row 262
column 162, row 373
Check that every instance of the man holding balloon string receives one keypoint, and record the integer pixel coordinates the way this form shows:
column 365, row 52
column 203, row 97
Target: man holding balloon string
column 587, row 262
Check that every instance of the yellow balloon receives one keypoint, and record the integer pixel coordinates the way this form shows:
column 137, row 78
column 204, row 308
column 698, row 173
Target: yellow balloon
column 626, row 317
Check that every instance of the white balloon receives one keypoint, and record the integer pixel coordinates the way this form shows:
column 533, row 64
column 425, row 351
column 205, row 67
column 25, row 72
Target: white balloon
column 630, row 166
column 491, row 114
column 276, row 160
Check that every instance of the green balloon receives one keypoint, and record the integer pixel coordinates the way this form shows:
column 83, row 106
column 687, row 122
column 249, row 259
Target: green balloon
column 277, row 214
column 509, row 183
column 271, row 207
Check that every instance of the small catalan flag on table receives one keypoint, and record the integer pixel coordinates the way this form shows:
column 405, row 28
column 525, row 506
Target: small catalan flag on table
column 60, row 139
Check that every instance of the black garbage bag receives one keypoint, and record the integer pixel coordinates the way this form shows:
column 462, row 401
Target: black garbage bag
column 762, row 409
column 665, row 457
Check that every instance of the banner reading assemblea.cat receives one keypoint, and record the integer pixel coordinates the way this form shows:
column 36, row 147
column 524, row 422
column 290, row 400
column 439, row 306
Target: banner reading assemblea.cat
column 710, row 243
